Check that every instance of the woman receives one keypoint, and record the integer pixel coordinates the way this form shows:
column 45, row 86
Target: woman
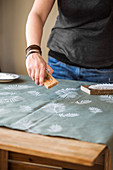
column 81, row 42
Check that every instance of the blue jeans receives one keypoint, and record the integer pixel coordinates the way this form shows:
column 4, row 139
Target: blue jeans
column 65, row 71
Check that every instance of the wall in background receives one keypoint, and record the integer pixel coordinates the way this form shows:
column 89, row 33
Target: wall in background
column 13, row 16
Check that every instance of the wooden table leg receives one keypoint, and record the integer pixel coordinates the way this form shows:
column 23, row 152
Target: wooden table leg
column 108, row 164
column 3, row 160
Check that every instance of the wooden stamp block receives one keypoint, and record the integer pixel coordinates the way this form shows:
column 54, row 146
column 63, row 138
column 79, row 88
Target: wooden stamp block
column 49, row 80
column 98, row 89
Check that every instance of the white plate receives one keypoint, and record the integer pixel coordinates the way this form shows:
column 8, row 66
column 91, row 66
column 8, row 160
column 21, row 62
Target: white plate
column 7, row 77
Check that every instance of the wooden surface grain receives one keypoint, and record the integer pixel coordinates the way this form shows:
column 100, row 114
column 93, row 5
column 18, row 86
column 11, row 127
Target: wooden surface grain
column 3, row 160
column 56, row 148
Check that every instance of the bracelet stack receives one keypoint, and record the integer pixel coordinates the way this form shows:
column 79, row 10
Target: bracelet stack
column 33, row 49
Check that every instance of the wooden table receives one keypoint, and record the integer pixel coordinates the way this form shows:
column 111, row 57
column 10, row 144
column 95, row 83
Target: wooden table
column 25, row 151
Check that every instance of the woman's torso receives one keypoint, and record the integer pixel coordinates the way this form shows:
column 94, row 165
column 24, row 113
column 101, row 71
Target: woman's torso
column 83, row 32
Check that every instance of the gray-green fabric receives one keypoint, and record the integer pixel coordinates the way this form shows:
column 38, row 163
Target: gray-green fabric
column 63, row 110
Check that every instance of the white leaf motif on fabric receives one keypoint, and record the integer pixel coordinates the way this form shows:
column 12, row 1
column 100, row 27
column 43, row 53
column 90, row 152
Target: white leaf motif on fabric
column 17, row 87
column 69, row 115
column 95, row 110
column 54, row 108
column 34, row 93
column 4, row 111
column 35, row 129
column 10, row 99
column 67, row 93
column 83, row 102
column 55, row 128
column 24, row 124
column 25, row 109
column 106, row 98
column 7, row 93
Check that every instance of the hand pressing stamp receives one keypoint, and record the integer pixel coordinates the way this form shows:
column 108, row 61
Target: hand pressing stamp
column 49, row 80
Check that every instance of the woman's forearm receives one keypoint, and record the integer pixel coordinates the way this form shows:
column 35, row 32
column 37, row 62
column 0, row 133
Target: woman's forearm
column 35, row 64
column 36, row 20
column 34, row 29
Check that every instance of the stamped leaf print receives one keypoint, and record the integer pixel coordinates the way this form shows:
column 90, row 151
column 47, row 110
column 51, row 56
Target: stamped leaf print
column 107, row 98
column 95, row 110
column 34, row 93
column 54, row 107
column 55, row 128
column 69, row 115
column 24, row 124
column 17, row 87
column 83, row 102
column 6, row 93
column 25, row 109
column 11, row 99
column 4, row 111
column 67, row 93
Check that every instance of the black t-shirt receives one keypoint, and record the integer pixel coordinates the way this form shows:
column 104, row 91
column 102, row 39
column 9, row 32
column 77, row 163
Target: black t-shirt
column 83, row 32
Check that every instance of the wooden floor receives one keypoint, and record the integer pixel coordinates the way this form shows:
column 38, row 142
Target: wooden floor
column 25, row 151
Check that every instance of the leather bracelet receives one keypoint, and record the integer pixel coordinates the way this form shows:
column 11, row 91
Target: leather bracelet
column 33, row 47
column 31, row 53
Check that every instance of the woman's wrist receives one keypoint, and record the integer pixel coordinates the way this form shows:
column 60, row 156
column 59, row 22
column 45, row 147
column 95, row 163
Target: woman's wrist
column 31, row 52
column 33, row 49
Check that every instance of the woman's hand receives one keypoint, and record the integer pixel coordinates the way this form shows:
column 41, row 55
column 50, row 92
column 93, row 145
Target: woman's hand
column 36, row 66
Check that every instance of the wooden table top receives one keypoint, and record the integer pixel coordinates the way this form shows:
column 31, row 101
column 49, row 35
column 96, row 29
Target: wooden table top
column 61, row 149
